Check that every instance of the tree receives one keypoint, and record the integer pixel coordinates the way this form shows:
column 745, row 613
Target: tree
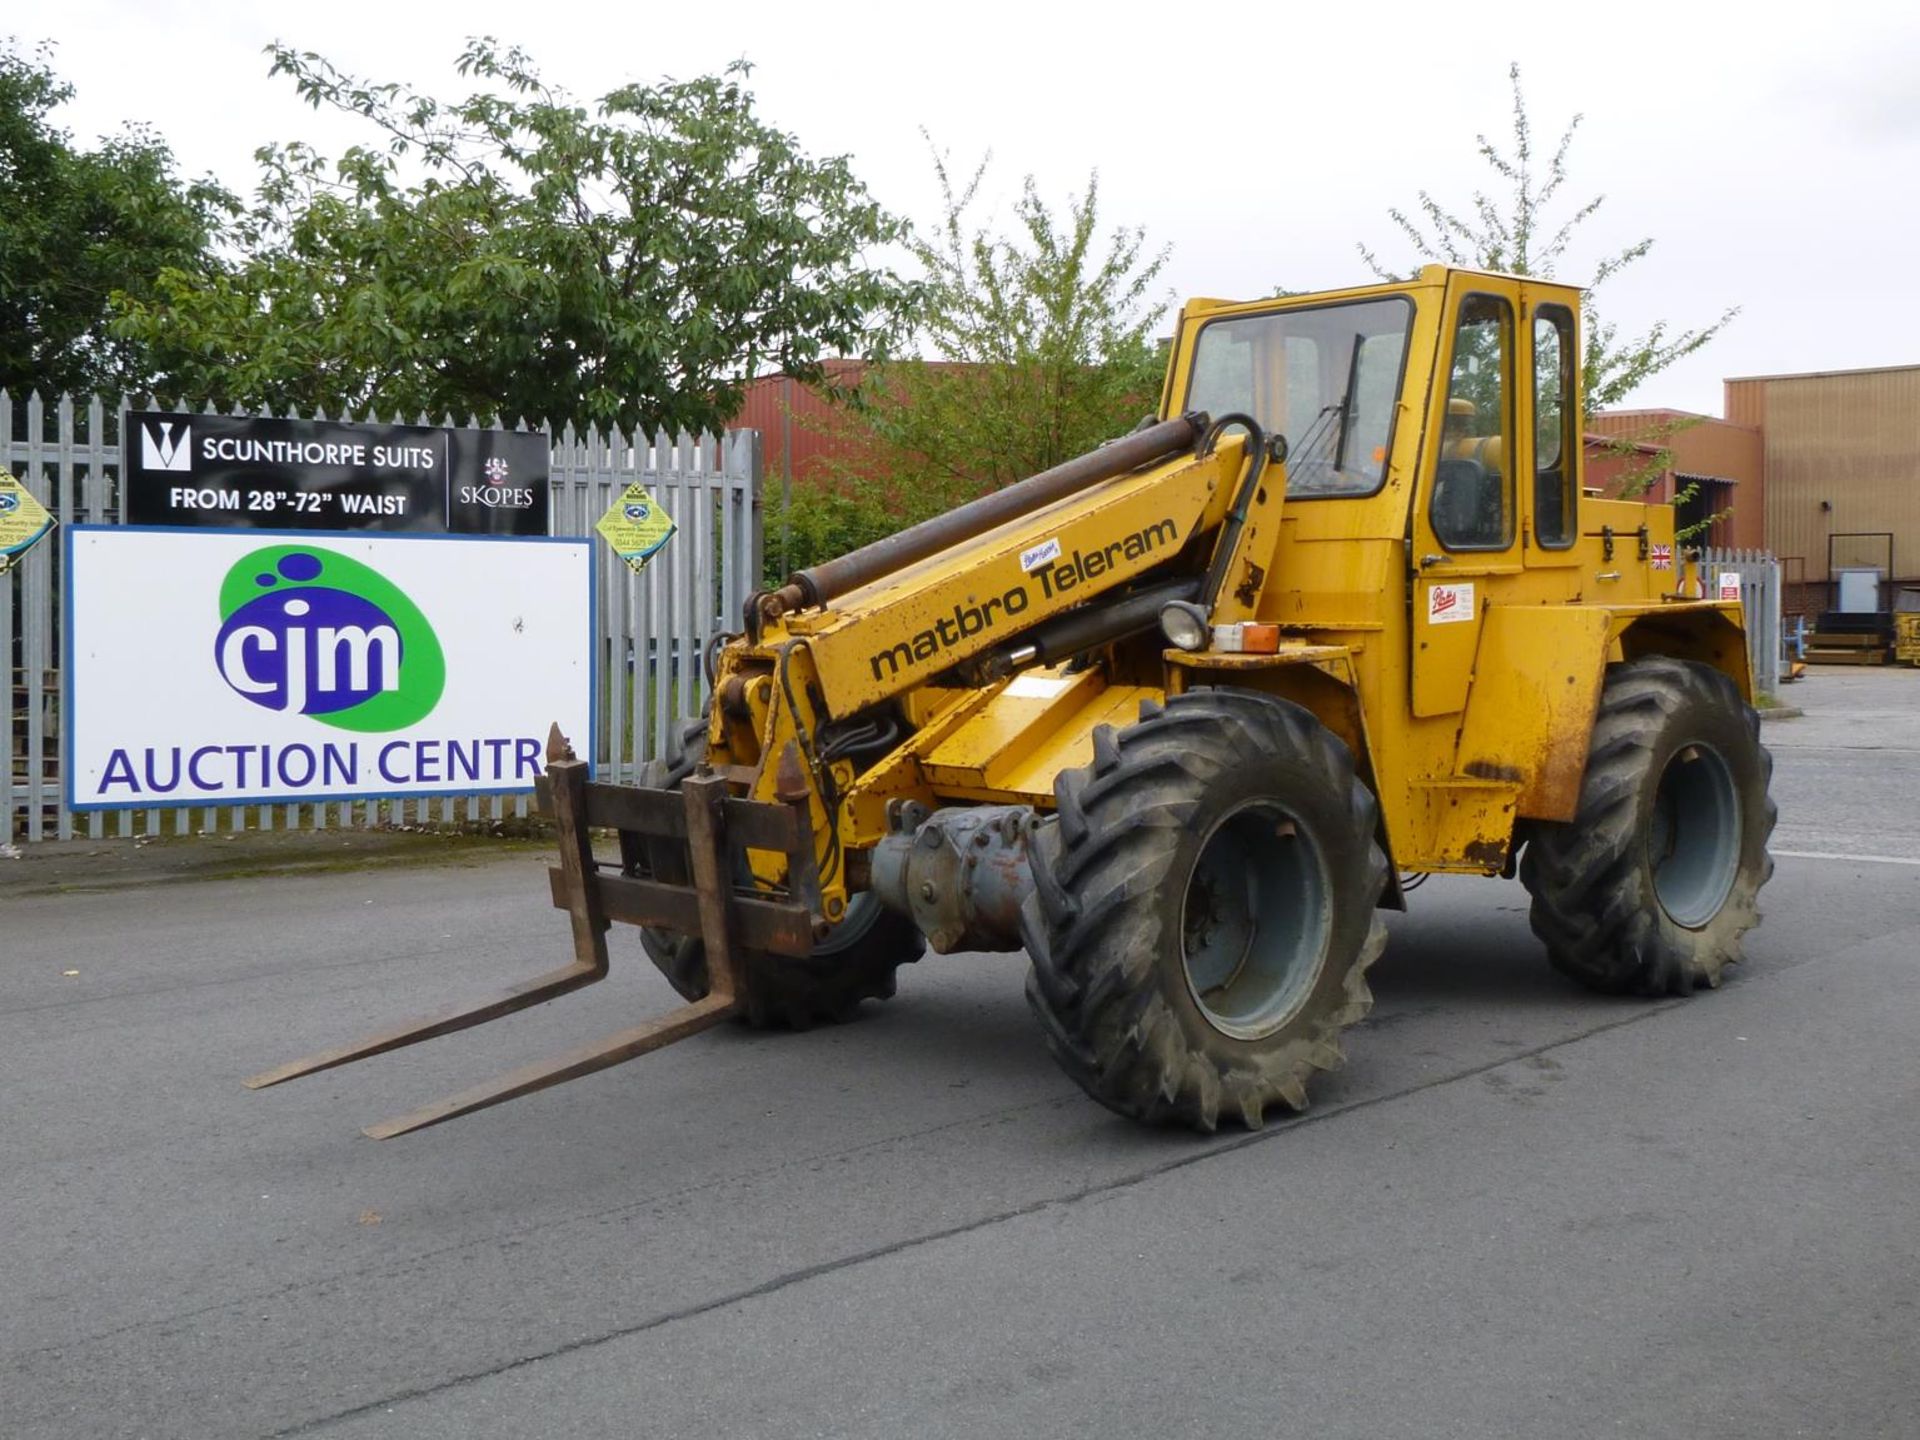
column 1515, row 234
column 514, row 253
column 1039, row 346
column 1034, row 347
column 78, row 225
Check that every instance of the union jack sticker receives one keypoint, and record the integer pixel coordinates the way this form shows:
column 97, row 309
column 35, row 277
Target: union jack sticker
column 1662, row 557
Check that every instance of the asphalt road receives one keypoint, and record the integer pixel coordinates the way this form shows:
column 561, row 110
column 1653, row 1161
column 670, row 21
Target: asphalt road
column 1520, row 1210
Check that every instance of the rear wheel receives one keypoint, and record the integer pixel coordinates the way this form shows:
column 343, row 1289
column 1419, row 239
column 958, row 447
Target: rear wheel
column 1204, row 910
column 855, row 962
column 1650, row 888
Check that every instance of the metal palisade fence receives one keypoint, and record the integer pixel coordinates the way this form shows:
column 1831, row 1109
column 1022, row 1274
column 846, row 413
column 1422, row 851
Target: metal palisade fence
column 1759, row 574
column 653, row 629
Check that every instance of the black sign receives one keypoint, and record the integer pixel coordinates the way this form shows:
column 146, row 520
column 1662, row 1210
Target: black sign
column 224, row 470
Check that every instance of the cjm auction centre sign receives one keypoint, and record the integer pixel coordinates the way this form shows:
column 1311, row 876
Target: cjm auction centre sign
column 221, row 666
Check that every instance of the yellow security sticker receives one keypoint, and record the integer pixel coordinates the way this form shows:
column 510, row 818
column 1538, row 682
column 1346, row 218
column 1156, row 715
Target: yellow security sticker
column 23, row 520
column 636, row 526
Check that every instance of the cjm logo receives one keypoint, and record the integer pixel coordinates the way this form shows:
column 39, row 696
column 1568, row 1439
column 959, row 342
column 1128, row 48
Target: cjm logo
column 294, row 662
column 166, row 445
column 309, row 632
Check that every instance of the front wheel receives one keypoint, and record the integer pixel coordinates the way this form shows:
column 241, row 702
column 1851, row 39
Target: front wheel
column 855, row 962
column 1204, row 910
column 1650, row 888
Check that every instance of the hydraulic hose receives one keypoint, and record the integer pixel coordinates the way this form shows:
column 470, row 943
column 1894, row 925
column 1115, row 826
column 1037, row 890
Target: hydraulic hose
column 1242, row 501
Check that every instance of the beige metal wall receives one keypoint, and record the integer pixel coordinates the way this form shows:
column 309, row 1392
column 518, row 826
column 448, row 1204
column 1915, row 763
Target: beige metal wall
column 1850, row 439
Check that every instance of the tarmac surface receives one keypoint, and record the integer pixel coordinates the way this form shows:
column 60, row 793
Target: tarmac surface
column 1520, row 1209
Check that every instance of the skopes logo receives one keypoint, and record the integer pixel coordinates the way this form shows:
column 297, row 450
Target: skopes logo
column 310, row 632
column 166, row 445
column 496, row 494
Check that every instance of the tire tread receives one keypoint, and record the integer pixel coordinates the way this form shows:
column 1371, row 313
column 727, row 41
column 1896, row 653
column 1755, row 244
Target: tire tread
column 1092, row 927
column 1593, row 904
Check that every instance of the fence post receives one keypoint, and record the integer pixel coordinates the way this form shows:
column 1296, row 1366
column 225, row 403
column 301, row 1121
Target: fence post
column 1769, row 608
column 8, row 756
column 746, row 467
column 1760, row 601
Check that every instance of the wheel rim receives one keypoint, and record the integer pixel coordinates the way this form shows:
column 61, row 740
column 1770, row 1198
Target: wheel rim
column 863, row 913
column 1694, row 839
column 1254, row 921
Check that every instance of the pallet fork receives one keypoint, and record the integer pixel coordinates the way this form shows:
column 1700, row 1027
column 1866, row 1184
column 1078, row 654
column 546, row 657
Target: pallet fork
column 714, row 825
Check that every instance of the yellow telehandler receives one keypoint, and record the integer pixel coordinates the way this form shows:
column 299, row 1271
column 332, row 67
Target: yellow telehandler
column 1174, row 717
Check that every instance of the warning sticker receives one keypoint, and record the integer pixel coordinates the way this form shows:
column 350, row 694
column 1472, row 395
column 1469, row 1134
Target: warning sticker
column 1037, row 687
column 636, row 527
column 23, row 520
column 1729, row 584
column 1448, row 603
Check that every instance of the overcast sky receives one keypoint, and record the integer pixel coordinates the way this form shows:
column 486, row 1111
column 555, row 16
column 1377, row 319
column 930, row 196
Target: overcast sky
column 1771, row 150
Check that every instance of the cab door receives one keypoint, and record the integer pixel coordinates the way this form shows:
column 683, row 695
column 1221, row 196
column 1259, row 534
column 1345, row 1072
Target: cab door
column 1467, row 517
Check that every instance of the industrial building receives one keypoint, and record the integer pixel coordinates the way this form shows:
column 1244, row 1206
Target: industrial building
column 1841, row 464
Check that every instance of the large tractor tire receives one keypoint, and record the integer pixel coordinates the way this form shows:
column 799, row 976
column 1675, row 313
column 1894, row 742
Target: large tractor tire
column 1204, row 910
column 856, row 962
column 1650, row 887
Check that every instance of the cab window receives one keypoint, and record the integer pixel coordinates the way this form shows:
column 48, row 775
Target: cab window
column 1472, row 505
column 1326, row 377
column 1556, row 444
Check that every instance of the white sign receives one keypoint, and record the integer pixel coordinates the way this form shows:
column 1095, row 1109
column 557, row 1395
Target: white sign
column 1037, row 687
column 227, row 667
column 1729, row 584
column 1449, row 603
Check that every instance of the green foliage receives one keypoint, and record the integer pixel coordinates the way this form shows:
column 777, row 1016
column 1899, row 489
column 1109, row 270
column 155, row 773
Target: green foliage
column 816, row 524
column 514, row 253
column 1701, row 530
column 1039, row 347
column 77, row 225
column 1517, row 233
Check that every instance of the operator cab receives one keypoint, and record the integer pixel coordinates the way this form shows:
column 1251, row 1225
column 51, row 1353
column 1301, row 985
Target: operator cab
column 1329, row 375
